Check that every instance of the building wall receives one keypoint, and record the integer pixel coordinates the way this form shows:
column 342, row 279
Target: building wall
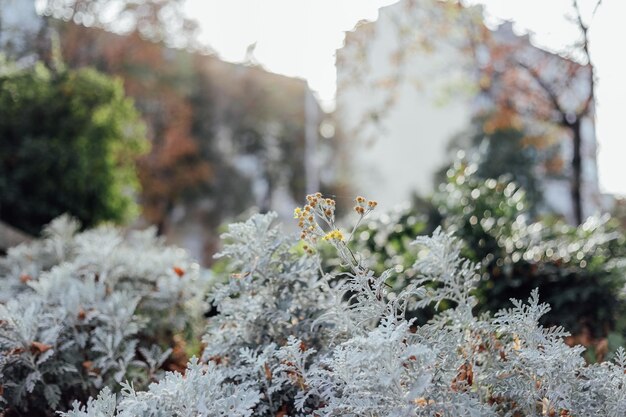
column 430, row 107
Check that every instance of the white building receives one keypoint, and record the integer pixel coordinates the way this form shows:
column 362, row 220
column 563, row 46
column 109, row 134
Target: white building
column 432, row 98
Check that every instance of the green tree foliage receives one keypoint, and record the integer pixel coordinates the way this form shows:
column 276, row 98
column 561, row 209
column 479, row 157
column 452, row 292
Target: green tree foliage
column 578, row 269
column 506, row 150
column 503, row 152
column 69, row 142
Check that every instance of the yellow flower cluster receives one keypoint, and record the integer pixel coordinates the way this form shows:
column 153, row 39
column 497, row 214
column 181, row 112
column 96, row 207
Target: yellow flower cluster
column 325, row 205
column 364, row 206
column 306, row 220
column 316, row 206
column 320, row 208
column 334, row 235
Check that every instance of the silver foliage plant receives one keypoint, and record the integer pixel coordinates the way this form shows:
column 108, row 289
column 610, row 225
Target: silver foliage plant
column 289, row 340
column 83, row 310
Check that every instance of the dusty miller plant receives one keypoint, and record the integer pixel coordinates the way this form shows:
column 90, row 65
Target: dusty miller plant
column 291, row 340
column 81, row 311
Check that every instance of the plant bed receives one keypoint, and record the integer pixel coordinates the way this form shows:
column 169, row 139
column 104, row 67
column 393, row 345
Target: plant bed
column 80, row 311
column 289, row 339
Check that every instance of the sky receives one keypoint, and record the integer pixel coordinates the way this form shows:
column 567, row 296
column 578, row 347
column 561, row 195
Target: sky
column 299, row 38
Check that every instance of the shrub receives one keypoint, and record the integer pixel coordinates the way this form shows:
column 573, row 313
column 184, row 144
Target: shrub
column 79, row 129
column 578, row 270
column 291, row 340
column 81, row 311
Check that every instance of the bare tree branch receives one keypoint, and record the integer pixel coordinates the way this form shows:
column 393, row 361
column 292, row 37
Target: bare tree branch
column 595, row 9
column 552, row 95
column 585, row 47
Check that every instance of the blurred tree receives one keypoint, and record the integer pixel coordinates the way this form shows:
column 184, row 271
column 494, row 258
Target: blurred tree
column 177, row 100
column 522, row 87
column 170, row 93
column 578, row 270
column 225, row 137
column 69, row 142
column 548, row 89
column 503, row 151
column 619, row 212
column 155, row 20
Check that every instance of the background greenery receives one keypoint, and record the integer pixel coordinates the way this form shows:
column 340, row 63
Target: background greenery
column 579, row 270
column 69, row 142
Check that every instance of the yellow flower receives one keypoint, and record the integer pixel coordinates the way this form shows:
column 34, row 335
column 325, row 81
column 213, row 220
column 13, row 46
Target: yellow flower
column 296, row 213
column 334, row 235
